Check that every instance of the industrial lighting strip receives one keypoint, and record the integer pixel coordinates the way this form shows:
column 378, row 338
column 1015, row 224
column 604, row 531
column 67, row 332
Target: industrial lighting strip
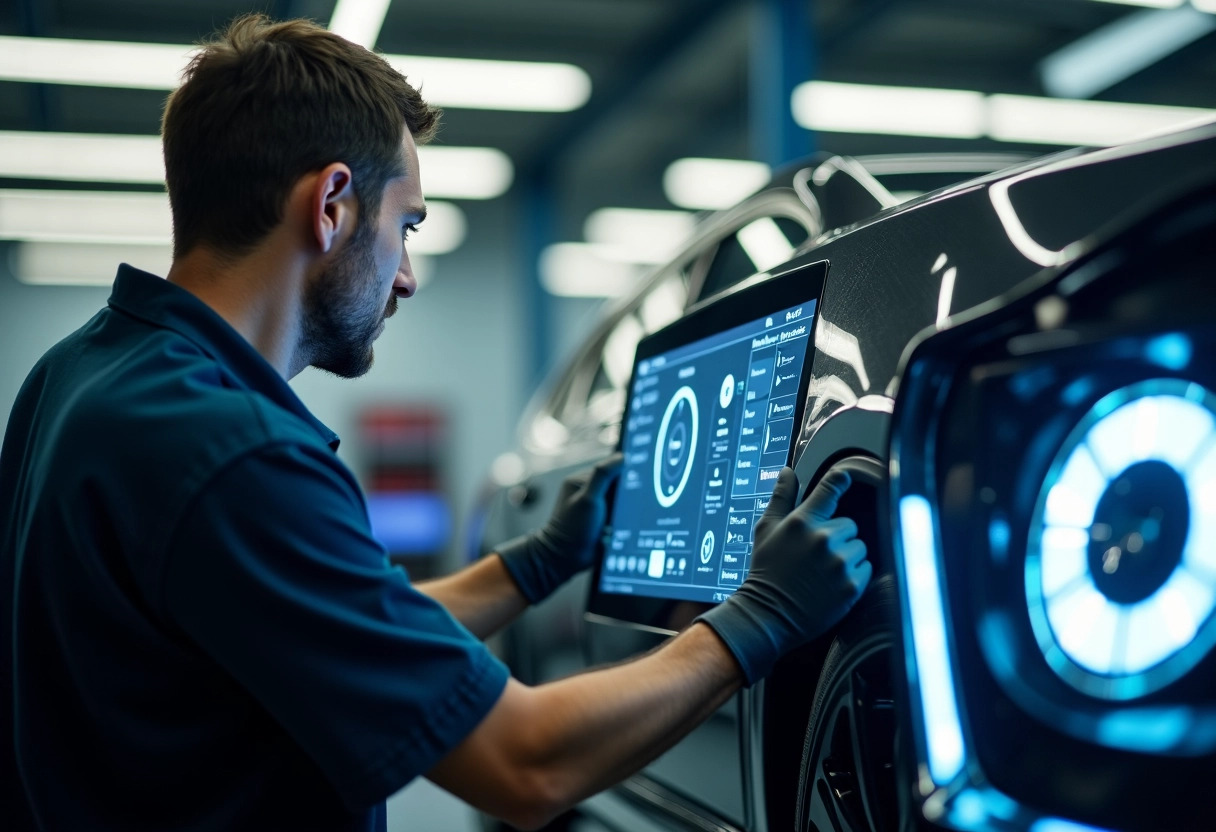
column 144, row 219
column 449, row 82
column 448, row 172
column 359, row 20
column 967, row 114
column 139, row 223
column 1208, row 6
column 1120, row 49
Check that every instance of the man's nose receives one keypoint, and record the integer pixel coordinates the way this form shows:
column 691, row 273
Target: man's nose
column 405, row 285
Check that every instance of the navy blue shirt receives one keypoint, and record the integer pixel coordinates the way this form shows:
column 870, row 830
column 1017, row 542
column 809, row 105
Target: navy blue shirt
column 198, row 630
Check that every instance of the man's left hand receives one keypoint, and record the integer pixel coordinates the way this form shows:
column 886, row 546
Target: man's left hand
column 542, row 561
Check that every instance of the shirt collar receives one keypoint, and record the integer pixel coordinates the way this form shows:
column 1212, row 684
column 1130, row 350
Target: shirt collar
column 161, row 303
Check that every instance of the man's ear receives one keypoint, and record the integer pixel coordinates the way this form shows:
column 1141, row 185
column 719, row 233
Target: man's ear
column 333, row 205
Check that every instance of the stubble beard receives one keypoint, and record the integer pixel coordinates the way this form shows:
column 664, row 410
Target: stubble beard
column 340, row 321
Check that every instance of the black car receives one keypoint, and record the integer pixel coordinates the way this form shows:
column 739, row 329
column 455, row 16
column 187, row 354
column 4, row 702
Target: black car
column 1018, row 372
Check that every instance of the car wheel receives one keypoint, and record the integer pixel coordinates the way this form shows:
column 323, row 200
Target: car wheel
column 847, row 780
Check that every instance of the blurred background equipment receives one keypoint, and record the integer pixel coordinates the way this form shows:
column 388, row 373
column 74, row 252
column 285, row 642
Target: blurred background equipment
column 405, row 481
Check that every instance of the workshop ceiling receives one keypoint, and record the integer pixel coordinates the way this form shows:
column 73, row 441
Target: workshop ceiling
column 670, row 78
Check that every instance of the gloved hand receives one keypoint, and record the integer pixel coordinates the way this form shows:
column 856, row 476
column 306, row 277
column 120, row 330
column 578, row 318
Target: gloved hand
column 542, row 561
column 807, row 571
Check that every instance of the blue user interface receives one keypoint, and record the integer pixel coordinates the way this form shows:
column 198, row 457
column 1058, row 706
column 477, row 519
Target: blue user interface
column 709, row 426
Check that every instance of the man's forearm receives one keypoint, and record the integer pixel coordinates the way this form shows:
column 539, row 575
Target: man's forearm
column 618, row 719
column 481, row 596
column 540, row 750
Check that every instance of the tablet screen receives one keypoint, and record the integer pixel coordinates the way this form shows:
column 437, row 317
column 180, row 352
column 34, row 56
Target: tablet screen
column 708, row 426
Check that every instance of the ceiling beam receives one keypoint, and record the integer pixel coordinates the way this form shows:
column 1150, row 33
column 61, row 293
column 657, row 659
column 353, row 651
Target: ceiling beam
column 40, row 97
column 781, row 56
column 640, row 65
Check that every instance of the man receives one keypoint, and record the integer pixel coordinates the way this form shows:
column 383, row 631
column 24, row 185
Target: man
column 200, row 631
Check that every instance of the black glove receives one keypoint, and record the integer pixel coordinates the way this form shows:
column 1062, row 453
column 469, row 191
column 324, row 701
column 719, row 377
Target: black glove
column 807, row 571
column 542, row 561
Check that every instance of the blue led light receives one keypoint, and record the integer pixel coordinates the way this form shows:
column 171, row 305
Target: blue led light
column 1059, row 825
column 1078, row 391
column 969, row 811
column 998, row 538
column 1124, row 647
column 1152, row 730
column 980, row 807
column 1172, row 351
column 943, row 729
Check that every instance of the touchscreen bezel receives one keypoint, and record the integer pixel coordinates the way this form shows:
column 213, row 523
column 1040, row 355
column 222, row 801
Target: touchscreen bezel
column 747, row 302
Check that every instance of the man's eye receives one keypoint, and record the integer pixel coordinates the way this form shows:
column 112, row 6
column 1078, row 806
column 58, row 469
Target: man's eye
column 409, row 229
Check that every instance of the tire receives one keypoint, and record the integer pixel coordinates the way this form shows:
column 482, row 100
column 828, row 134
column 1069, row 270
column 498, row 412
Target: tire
column 847, row 778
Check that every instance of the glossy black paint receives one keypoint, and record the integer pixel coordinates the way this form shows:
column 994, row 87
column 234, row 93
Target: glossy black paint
column 895, row 277
column 887, row 272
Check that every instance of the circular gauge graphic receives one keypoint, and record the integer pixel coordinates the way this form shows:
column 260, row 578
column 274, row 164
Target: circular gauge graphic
column 707, row 546
column 1121, row 560
column 676, row 447
column 727, row 393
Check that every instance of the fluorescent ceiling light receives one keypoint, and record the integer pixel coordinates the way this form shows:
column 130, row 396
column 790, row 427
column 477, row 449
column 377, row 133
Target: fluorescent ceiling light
column 1012, row 118
column 1021, row 118
column 84, row 264
column 712, row 184
column 359, row 21
column 144, row 219
column 464, row 172
column 582, row 270
column 93, row 63
column 85, row 217
column 450, row 172
column 639, row 236
column 764, row 243
column 1208, row 6
column 904, row 111
column 1120, row 49
column 496, row 85
column 1154, row 4
column 447, row 82
column 443, row 232
column 81, row 157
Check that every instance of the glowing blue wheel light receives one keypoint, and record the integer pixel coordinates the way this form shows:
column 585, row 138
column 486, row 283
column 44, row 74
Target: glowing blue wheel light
column 1121, row 560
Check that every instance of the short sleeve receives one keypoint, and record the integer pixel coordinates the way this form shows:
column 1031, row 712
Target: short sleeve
column 274, row 574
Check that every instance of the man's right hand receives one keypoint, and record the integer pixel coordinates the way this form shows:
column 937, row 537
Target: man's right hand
column 808, row 569
column 542, row 749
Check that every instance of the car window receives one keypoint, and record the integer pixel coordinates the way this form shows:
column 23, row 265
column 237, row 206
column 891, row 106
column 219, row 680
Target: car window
column 587, row 401
column 756, row 247
column 591, row 395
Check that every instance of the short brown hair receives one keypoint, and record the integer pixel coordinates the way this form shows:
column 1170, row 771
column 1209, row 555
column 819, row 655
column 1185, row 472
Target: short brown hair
column 264, row 103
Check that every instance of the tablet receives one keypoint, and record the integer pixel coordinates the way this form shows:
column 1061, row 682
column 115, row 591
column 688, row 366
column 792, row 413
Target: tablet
column 714, row 409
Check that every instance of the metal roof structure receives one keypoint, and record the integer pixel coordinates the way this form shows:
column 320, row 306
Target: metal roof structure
column 669, row 78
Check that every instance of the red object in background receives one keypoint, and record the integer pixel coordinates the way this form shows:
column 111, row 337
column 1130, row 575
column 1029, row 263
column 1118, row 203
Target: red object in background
column 404, row 450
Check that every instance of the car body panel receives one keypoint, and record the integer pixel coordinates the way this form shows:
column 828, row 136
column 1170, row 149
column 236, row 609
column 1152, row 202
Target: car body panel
column 893, row 275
